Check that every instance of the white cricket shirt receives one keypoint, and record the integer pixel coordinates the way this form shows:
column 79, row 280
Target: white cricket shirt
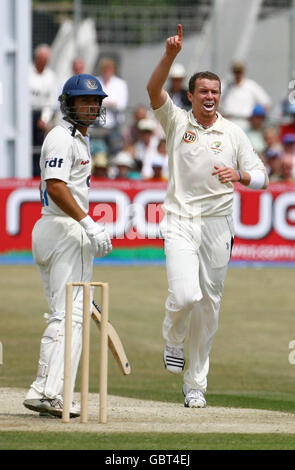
column 238, row 100
column 43, row 92
column 67, row 158
column 193, row 151
column 117, row 99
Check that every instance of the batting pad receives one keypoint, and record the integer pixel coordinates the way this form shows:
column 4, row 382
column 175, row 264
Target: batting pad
column 55, row 353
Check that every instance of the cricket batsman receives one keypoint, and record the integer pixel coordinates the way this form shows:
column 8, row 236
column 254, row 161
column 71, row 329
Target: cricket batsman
column 207, row 154
column 66, row 239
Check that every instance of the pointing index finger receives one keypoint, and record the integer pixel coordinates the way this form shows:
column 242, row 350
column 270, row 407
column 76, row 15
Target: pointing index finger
column 180, row 31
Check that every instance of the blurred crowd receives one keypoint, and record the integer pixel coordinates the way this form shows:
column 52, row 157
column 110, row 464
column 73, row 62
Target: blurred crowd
column 131, row 144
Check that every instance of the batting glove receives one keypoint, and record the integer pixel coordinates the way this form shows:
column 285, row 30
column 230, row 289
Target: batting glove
column 100, row 240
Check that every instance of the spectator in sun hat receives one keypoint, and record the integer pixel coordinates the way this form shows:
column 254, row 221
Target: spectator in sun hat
column 146, row 146
column 239, row 95
column 122, row 165
column 157, row 168
column 177, row 90
column 100, row 165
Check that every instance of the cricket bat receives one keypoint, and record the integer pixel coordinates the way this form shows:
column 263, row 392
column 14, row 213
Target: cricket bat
column 114, row 341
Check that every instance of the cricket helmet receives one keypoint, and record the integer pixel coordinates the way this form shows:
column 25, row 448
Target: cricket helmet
column 80, row 85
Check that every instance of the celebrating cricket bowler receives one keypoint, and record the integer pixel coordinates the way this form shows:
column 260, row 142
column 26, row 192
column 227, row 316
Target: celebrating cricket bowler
column 66, row 239
column 207, row 154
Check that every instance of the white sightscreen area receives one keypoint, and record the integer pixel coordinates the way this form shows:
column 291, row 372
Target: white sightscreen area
column 15, row 56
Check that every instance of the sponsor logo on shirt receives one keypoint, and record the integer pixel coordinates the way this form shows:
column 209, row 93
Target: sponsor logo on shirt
column 189, row 137
column 85, row 162
column 54, row 162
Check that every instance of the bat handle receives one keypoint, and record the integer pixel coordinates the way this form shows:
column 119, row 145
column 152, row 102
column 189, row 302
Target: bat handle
column 96, row 306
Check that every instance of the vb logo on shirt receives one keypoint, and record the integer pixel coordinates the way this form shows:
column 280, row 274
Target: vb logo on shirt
column 189, row 137
column 54, row 162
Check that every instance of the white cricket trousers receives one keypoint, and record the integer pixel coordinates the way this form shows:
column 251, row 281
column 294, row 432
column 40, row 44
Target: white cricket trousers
column 61, row 250
column 197, row 256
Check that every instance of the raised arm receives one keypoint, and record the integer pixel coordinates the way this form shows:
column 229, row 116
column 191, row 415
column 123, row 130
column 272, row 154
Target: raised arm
column 159, row 76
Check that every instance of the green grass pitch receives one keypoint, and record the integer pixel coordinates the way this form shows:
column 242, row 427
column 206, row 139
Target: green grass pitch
column 249, row 360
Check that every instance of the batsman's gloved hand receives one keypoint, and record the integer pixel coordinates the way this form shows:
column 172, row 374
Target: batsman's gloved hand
column 100, row 240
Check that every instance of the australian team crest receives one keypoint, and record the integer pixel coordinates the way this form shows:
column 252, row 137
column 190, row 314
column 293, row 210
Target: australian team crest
column 91, row 84
column 216, row 146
